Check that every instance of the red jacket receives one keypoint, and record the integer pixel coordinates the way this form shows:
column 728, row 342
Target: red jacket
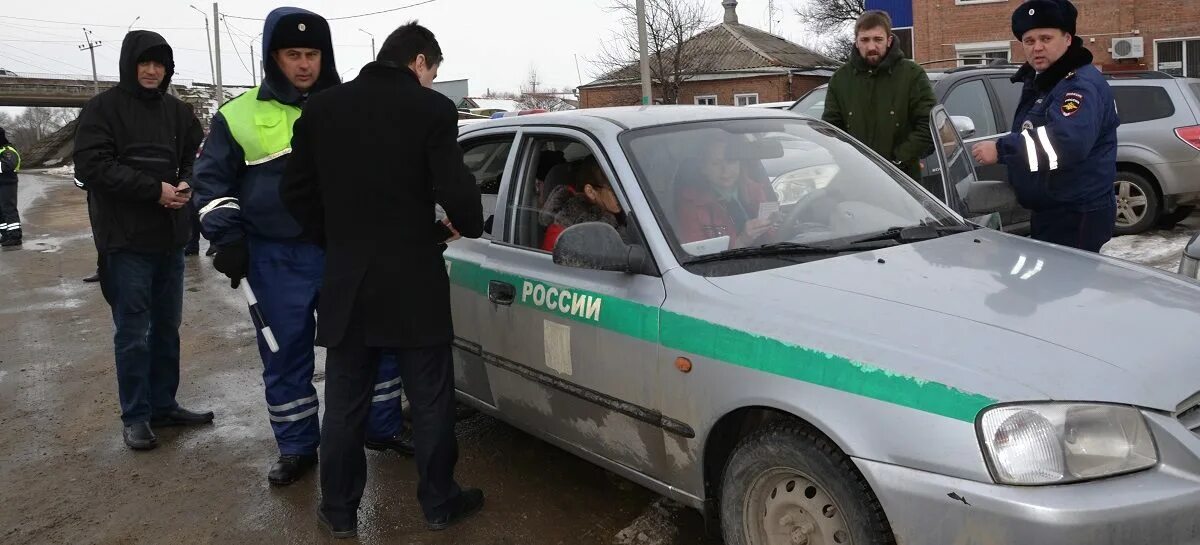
column 700, row 214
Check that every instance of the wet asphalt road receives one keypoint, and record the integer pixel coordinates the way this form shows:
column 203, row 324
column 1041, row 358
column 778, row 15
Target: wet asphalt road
column 66, row 476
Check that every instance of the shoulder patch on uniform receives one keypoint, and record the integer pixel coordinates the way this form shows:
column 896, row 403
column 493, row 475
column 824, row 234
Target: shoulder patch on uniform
column 1071, row 104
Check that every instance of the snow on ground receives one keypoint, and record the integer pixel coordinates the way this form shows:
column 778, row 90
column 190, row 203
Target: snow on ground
column 65, row 170
column 1160, row 248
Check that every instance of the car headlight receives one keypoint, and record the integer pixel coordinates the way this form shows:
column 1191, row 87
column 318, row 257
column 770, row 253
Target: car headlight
column 790, row 187
column 1059, row 443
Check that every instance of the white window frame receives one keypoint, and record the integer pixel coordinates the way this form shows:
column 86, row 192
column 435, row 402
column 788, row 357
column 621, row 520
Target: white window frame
column 1184, row 41
column 983, row 48
column 745, row 95
column 696, row 100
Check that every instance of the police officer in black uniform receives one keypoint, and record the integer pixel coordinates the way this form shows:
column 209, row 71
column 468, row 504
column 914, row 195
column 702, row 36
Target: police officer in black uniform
column 1062, row 151
column 10, row 219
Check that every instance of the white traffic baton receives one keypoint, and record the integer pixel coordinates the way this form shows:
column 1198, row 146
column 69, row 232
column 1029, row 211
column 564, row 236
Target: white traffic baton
column 257, row 317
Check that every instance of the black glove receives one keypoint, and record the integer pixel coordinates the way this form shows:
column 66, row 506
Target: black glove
column 233, row 260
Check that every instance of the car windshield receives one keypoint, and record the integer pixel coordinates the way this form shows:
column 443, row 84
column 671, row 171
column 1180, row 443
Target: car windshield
column 812, row 105
column 762, row 183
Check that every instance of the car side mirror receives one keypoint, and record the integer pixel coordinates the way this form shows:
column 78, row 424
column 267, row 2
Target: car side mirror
column 987, row 196
column 964, row 125
column 598, row 246
column 1189, row 264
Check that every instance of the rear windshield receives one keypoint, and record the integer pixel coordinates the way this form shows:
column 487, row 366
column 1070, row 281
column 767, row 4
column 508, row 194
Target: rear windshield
column 1138, row 103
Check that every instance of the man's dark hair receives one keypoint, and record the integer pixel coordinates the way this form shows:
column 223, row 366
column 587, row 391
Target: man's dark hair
column 874, row 19
column 408, row 41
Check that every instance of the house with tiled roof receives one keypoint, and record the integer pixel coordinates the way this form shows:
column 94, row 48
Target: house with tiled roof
column 732, row 64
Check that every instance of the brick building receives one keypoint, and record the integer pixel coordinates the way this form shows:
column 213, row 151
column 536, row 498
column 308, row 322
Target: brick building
column 743, row 65
column 1122, row 34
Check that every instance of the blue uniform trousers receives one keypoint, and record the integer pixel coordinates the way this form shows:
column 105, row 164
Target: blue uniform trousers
column 286, row 277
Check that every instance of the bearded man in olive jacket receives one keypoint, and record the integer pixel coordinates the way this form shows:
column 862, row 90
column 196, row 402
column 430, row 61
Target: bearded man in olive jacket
column 882, row 98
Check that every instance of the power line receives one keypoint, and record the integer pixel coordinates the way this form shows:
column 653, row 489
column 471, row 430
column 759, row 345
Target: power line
column 27, row 63
column 99, row 25
column 346, row 17
column 26, row 51
column 233, row 40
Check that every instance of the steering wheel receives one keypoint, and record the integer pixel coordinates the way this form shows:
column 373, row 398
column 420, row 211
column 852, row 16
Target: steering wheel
column 791, row 226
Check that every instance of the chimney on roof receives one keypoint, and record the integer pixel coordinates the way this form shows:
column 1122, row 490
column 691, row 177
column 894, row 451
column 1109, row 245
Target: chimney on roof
column 730, row 11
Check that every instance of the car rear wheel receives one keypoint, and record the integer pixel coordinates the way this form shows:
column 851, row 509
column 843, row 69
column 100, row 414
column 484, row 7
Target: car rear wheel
column 1138, row 205
column 789, row 485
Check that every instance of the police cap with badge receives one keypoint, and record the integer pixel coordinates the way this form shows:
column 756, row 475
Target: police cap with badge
column 304, row 30
column 1060, row 14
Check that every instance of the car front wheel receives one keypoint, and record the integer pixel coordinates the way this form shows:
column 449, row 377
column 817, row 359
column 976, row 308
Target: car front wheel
column 1138, row 205
column 787, row 484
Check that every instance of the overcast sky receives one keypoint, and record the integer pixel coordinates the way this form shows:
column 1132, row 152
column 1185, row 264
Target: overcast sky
column 493, row 43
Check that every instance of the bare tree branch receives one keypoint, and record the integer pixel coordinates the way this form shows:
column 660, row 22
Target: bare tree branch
column 825, row 16
column 673, row 60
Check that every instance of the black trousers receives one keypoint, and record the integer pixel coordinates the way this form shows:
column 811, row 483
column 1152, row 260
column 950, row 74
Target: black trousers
column 1084, row 230
column 10, row 220
column 428, row 378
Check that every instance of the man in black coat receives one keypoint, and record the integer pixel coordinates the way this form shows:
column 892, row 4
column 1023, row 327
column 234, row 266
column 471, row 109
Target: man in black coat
column 370, row 159
column 134, row 149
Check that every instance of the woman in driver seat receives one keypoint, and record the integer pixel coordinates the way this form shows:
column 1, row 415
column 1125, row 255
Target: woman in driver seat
column 714, row 199
column 595, row 201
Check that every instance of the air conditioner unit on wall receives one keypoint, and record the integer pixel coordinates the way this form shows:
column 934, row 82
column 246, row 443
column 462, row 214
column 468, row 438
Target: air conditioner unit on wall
column 1128, row 48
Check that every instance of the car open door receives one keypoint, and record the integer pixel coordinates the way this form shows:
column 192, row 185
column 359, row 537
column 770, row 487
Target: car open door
column 980, row 201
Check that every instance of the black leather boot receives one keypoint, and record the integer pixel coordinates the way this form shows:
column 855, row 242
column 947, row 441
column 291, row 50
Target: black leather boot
column 290, row 467
column 401, row 443
column 139, row 436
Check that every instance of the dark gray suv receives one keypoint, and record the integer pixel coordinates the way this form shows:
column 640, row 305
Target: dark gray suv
column 1158, row 156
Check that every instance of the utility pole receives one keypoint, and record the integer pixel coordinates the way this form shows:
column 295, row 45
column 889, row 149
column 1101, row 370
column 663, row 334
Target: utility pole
column 208, row 38
column 372, row 42
column 91, row 47
column 645, row 58
column 253, row 72
column 217, row 56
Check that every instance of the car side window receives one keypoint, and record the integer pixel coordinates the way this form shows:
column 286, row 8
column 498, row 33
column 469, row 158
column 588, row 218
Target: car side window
column 1009, row 94
column 971, row 100
column 562, row 183
column 1138, row 103
column 485, row 159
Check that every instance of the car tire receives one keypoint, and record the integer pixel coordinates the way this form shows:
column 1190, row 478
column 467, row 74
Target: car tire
column 1138, row 204
column 1171, row 219
column 787, row 483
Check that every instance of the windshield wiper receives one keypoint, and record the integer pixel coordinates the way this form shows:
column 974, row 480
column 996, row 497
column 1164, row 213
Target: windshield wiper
column 915, row 233
column 776, row 249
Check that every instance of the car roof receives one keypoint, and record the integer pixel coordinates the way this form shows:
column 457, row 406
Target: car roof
column 636, row 117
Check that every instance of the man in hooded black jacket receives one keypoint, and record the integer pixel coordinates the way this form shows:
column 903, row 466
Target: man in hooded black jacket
column 134, row 150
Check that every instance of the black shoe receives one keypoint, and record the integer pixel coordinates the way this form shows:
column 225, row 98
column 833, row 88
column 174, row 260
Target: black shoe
column 191, row 251
column 339, row 531
column 139, row 436
column 290, row 467
column 212, row 250
column 11, row 240
column 401, row 443
column 180, row 416
column 469, row 502
column 95, row 277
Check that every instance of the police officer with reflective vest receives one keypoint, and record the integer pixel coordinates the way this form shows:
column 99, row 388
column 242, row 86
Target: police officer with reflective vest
column 237, row 187
column 1062, row 151
column 10, row 220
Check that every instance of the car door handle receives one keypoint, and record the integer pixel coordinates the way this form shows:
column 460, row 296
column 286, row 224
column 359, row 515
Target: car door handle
column 501, row 293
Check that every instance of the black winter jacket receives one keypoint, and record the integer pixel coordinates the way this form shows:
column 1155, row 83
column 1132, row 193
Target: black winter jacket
column 370, row 158
column 130, row 140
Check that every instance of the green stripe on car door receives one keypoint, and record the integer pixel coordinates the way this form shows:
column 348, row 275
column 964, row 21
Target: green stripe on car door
column 734, row 346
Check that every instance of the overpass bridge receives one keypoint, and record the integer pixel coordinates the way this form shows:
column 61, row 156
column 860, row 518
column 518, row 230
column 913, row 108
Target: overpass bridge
column 68, row 90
